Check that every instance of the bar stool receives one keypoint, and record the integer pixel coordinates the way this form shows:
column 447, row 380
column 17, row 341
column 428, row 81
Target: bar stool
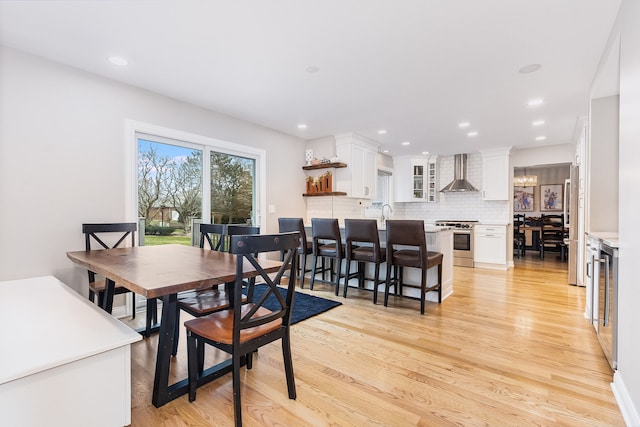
column 410, row 233
column 363, row 231
column 306, row 248
column 326, row 243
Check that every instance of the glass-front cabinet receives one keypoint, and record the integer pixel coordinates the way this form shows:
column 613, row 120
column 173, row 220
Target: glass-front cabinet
column 418, row 181
column 415, row 179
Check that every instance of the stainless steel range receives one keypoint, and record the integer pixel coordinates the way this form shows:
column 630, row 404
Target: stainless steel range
column 462, row 241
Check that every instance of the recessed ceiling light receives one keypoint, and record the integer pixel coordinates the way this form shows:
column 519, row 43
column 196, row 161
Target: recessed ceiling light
column 425, row 152
column 540, row 138
column 312, row 69
column 535, row 102
column 385, row 151
column 463, row 125
column 302, row 126
column 118, row 60
column 382, row 132
column 531, row 68
column 406, row 143
column 474, row 133
column 538, row 123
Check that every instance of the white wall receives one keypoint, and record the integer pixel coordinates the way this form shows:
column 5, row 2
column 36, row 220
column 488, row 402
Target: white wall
column 627, row 378
column 62, row 159
column 543, row 155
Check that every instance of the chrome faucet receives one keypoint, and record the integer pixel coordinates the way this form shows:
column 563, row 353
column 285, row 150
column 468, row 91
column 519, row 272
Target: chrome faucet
column 384, row 218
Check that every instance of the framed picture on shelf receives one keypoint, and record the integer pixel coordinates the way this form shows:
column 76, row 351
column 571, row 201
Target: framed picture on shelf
column 523, row 199
column 551, row 197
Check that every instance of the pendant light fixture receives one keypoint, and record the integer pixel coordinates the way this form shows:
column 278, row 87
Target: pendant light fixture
column 525, row 180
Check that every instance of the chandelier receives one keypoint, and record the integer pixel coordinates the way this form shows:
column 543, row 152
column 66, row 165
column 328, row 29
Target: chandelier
column 525, row 180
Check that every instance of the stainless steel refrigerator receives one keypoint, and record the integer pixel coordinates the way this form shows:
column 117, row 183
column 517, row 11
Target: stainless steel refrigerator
column 570, row 208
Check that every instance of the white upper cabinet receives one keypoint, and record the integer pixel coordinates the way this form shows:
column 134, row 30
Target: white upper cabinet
column 495, row 174
column 360, row 176
column 415, row 179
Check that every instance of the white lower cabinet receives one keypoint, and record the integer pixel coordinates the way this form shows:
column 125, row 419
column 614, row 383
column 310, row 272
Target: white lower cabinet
column 490, row 246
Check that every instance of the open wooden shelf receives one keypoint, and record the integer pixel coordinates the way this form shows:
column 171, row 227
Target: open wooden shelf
column 325, row 166
column 332, row 193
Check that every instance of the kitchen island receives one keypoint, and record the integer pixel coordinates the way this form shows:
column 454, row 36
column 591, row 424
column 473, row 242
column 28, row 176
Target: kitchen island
column 439, row 239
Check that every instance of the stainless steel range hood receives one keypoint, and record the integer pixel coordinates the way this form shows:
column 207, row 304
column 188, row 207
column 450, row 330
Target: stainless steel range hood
column 459, row 182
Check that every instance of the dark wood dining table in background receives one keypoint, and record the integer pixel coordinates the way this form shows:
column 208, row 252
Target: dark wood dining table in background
column 161, row 272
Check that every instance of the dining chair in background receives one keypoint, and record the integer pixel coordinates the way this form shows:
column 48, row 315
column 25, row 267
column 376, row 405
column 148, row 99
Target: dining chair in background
column 357, row 232
column 287, row 225
column 203, row 302
column 552, row 234
column 110, row 236
column 519, row 238
column 244, row 328
column 402, row 233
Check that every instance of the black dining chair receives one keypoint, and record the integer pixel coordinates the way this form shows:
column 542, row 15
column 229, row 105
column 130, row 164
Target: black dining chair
column 205, row 301
column 552, row 234
column 519, row 238
column 110, row 236
column 243, row 328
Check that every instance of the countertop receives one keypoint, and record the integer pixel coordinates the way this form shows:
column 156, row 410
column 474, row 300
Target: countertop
column 46, row 324
column 609, row 238
column 428, row 227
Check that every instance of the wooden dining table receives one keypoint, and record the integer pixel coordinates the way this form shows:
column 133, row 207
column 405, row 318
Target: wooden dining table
column 161, row 272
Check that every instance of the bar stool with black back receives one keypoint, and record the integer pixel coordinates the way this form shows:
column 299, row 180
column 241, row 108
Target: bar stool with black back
column 552, row 234
column 244, row 328
column 327, row 243
column 357, row 232
column 115, row 234
column 402, row 233
column 519, row 238
column 306, row 248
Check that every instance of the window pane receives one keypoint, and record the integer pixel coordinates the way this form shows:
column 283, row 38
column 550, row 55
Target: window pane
column 169, row 191
column 232, row 189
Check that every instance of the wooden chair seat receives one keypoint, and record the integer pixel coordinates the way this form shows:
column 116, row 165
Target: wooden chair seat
column 218, row 326
column 200, row 303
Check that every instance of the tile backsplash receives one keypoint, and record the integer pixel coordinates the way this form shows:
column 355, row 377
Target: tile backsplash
column 455, row 206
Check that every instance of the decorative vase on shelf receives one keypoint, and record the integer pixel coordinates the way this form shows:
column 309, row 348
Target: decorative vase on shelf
column 308, row 155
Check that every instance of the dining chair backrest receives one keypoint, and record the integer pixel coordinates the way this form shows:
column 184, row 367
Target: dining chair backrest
column 107, row 236
column 239, row 230
column 213, row 234
column 247, row 247
column 518, row 221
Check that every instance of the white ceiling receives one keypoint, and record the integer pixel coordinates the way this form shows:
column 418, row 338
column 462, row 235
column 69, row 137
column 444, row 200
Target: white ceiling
column 413, row 67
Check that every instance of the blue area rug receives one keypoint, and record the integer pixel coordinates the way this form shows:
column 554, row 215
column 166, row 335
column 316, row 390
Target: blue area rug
column 304, row 306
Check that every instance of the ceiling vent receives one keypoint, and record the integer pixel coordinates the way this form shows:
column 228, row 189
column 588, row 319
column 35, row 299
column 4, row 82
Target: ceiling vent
column 459, row 183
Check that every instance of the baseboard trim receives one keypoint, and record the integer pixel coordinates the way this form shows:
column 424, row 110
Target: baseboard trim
column 629, row 411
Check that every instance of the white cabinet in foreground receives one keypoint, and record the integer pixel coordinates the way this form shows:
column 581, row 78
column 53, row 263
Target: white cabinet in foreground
column 490, row 249
column 64, row 360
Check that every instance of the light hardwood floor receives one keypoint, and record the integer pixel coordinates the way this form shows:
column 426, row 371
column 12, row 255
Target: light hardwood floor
column 506, row 349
